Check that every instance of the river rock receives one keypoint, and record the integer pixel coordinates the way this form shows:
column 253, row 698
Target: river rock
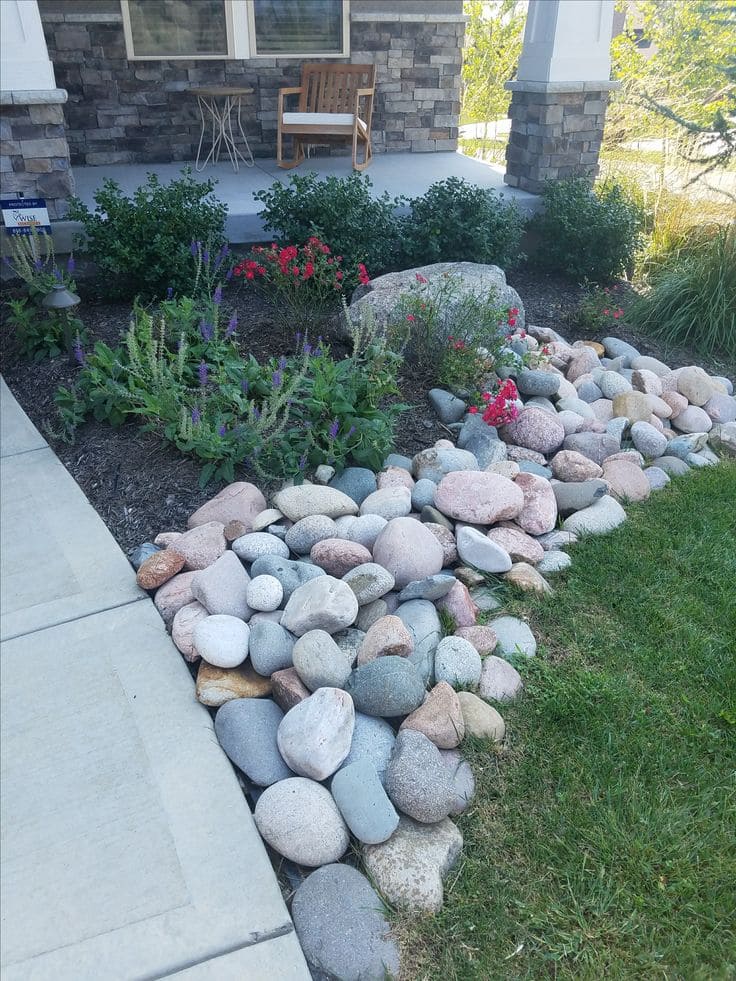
column 387, row 687
column 539, row 513
column 265, row 594
column 363, row 803
column 158, row 568
column 481, row 552
column 595, row 446
column 373, row 740
column 553, row 562
column 314, row 737
column 257, row 544
column 421, row 619
column 324, row 603
column 388, row 503
column 337, row 556
column 650, row 442
column 288, row 689
column 369, row 581
column 457, row 662
column 408, row 551
column 535, row 429
column 461, row 779
column 439, row 717
column 319, row 662
column 721, row 408
column 364, row 529
column 531, row 381
column 574, row 496
column 481, row 719
column 499, row 681
column 478, row 498
column 173, row 595
column 695, row 385
column 448, row 407
column 182, row 628
column 270, row 647
column 246, row 729
column 568, row 465
column 527, row 578
column 434, row 463
column 299, row 819
column 223, row 586
column 305, row 533
column 356, row 482
column 306, row 499
column 387, row 636
column 459, row 605
column 239, row 501
column 416, row 778
column 221, row 640
column 600, row 518
column 215, row 686
column 409, row 868
column 202, row 546
column 626, row 480
column 692, row 420
column 514, row 636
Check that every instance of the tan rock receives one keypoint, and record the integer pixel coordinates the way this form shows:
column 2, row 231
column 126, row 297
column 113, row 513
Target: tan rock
column 446, row 539
column 482, row 638
column 520, row 546
column 695, row 385
column 481, row 719
column 159, row 568
column 598, row 348
column 569, row 465
column 215, row 686
column 385, row 637
column 182, row 628
column 635, row 406
column 469, row 577
column 235, row 529
column 174, row 594
column 239, row 501
column 526, row 577
column 439, row 717
column 202, row 546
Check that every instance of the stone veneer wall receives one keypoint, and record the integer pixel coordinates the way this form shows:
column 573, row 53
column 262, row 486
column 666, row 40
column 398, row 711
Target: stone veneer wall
column 34, row 152
column 122, row 111
column 556, row 131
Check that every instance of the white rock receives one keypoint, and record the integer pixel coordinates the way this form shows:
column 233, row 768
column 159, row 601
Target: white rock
column 221, row 640
column 265, row 593
column 314, row 737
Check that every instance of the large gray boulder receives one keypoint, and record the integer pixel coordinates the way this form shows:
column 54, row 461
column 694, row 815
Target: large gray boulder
column 383, row 293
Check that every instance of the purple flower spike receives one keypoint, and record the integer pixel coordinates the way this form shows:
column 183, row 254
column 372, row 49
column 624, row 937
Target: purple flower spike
column 194, row 248
column 203, row 372
column 206, row 256
column 232, row 325
column 351, row 431
column 196, row 416
column 334, row 428
column 169, row 292
column 282, row 362
column 79, row 356
column 229, row 274
column 37, row 265
column 217, row 296
column 205, row 330
column 298, row 338
column 256, row 413
column 222, row 431
column 70, row 265
column 302, row 461
column 57, row 274
column 245, row 385
column 276, row 379
column 307, row 349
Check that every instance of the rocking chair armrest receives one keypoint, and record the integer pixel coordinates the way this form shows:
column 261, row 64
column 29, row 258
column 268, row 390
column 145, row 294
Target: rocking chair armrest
column 367, row 94
column 292, row 90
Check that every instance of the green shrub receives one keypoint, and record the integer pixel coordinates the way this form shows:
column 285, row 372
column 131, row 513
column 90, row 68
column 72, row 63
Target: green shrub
column 459, row 222
column 227, row 411
column 44, row 333
column 339, row 210
column 587, row 234
column 140, row 244
column 691, row 299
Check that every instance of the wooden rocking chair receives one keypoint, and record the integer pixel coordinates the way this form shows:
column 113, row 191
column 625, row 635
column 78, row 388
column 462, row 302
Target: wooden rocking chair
column 329, row 111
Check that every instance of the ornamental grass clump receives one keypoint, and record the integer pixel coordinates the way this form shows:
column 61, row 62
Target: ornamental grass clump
column 304, row 282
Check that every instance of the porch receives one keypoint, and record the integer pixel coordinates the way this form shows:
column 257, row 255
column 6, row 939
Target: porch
column 401, row 174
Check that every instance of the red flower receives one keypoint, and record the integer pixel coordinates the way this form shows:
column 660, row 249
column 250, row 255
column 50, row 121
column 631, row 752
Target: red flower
column 513, row 312
column 308, row 269
column 363, row 274
column 338, row 276
column 473, row 409
column 421, row 279
column 606, row 312
column 410, row 317
column 512, row 321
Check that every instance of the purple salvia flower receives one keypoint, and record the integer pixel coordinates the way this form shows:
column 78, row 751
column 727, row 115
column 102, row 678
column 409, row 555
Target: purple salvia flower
column 229, row 274
column 244, row 386
column 350, row 432
column 70, row 265
column 203, row 372
column 58, row 276
column 232, row 325
column 37, row 265
column 79, row 356
column 334, row 428
column 169, row 292
column 217, row 296
column 196, row 416
column 222, row 431
column 276, row 379
column 256, row 413
column 298, row 338
column 302, row 461
column 194, row 248
column 205, row 330
column 318, row 352
column 307, row 349
column 282, row 363
column 206, row 256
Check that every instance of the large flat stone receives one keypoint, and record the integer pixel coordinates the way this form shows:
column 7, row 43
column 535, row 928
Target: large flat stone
column 113, row 853
column 59, row 560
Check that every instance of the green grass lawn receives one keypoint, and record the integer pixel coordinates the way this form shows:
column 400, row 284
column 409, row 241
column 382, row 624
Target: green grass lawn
column 602, row 841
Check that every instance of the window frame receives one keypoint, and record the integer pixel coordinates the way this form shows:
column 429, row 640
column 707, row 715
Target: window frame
column 343, row 53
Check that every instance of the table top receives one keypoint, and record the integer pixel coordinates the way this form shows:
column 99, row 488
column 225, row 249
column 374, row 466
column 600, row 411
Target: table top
column 223, row 91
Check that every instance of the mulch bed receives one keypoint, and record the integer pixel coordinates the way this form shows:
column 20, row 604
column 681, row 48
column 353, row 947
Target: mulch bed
column 140, row 484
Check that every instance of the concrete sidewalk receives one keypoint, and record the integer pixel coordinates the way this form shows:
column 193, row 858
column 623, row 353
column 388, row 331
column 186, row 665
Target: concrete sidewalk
column 128, row 849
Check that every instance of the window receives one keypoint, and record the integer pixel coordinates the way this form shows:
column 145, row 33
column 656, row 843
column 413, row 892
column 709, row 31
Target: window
column 318, row 28
column 170, row 29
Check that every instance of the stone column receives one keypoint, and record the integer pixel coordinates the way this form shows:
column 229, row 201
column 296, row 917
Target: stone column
column 34, row 152
column 559, row 97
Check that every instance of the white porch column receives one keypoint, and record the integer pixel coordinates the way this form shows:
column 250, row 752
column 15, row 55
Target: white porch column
column 34, row 151
column 559, row 96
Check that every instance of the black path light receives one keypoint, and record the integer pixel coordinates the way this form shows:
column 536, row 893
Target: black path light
column 63, row 300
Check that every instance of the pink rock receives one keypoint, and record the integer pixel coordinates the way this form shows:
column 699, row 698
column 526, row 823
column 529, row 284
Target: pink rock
column 460, row 606
column 660, row 407
column 583, row 362
column 396, row 477
column 627, row 481
column 646, row 381
column 408, row 550
column 338, row 556
column 721, row 407
column 478, row 498
column 166, row 538
column 236, row 502
column 439, row 717
column 536, row 429
column 174, row 594
column 515, row 453
column 678, row 403
column 603, row 409
column 182, row 629
column 520, row 546
column 539, row 513
column 693, row 420
column 202, row 545
column 387, row 636
column 569, row 465
column 446, row 539
column 483, row 639
column 499, row 681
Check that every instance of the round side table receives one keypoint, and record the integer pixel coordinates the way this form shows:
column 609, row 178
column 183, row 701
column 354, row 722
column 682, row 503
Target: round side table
column 216, row 108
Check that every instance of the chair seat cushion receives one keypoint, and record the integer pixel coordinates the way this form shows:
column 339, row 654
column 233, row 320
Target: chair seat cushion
column 321, row 119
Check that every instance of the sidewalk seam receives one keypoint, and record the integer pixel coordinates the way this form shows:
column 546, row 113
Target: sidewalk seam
column 35, row 449
column 82, row 616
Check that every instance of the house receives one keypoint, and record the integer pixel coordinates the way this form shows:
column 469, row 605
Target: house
column 108, row 82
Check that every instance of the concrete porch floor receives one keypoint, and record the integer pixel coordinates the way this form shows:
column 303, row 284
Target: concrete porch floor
column 407, row 174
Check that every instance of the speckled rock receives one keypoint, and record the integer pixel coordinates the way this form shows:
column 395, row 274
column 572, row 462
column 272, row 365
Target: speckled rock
column 324, row 603
column 695, row 385
column 338, row 556
column 395, row 477
column 270, row 647
column 264, row 593
column 459, row 604
column 721, row 408
column 553, row 562
column 387, row 636
column 483, row 638
column 299, row 819
column 534, row 429
column 159, row 568
column 356, row 482
column 173, row 595
column 517, row 544
column 314, row 737
column 447, row 542
column 202, row 546
column 305, row 533
column 369, row 581
column 239, row 501
column 246, row 729
column 692, row 420
column 648, row 440
column 364, row 529
column 182, row 628
column 457, row 662
column 363, row 802
column 408, row 550
column 658, row 478
column 223, row 586
column 478, row 498
column 215, row 686
column 539, row 512
column 568, row 465
column 626, row 480
column 499, row 680
column 514, row 636
column 319, row 662
column 257, row 544
column 600, row 518
column 433, row 463
column 373, row 740
column 481, row 719
column 439, row 717
column 307, row 499
column 388, row 503
column 596, row 446
column 417, row 780
column 387, row 687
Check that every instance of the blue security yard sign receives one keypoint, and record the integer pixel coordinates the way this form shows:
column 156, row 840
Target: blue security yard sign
column 22, row 215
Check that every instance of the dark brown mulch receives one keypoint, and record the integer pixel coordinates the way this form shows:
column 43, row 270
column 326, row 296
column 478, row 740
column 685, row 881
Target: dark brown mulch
column 141, row 485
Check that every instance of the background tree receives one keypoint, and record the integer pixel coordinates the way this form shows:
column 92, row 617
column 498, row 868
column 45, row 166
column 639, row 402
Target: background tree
column 493, row 36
